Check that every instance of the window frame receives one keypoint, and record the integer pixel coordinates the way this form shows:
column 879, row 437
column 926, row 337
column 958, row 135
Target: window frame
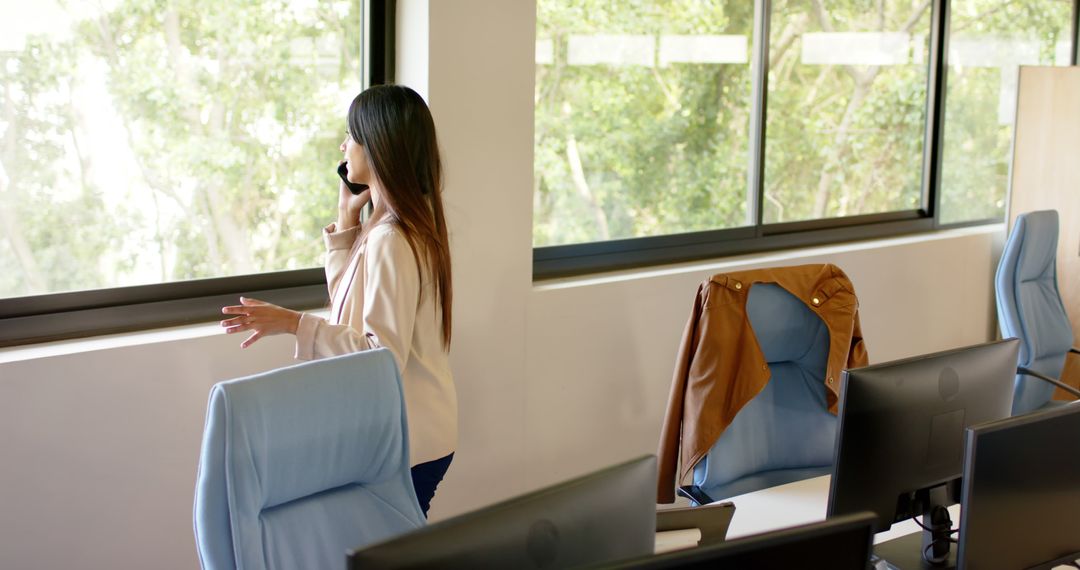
column 558, row 261
column 58, row 316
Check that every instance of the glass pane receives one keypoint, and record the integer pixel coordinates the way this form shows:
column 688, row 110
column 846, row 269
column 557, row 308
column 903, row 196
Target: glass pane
column 846, row 108
column 143, row 143
column 989, row 40
column 642, row 118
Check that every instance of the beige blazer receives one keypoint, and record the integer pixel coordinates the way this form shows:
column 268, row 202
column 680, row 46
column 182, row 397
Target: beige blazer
column 378, row 299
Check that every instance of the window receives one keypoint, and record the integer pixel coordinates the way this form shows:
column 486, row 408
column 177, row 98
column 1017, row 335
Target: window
column 988, row 41
column 846, row 108
column 155, row 162
column 845, row 120
column 155, row 158
column 148, row 145
column 642, row 118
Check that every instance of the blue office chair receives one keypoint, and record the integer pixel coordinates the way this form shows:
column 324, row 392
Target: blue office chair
column 300, row 465
column 786, row 432
column 1029, row 307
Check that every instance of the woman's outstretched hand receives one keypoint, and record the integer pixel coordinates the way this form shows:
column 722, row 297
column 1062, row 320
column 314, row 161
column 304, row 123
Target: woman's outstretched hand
column 259, row 316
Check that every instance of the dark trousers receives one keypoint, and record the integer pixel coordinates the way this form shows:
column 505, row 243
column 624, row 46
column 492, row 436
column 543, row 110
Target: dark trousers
column 426, row 476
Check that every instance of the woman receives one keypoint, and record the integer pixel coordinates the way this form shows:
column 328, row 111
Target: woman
column 389, row 278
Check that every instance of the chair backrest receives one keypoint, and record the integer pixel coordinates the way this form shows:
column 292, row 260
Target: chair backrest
column 787, row 425
column 303, row 463
column 1029, row 305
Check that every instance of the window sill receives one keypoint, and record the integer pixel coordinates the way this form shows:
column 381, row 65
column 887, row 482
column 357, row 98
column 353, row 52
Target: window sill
column 200, row 330
column 111, row 341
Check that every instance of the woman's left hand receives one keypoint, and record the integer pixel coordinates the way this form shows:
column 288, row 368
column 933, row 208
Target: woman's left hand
column 263, row 318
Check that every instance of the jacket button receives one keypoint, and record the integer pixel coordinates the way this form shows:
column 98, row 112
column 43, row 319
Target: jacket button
column 738, row 285
column 815, row 301
column 829, row 380
column 764, row 366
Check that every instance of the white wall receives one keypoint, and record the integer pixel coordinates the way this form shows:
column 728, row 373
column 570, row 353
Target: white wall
column 412, row 39
column 99, row 440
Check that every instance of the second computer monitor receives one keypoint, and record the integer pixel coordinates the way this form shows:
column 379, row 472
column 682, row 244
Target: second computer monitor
column 901, row 428
column 1021, row 501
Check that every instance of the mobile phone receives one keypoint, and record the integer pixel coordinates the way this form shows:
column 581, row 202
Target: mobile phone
column 343, row 172
column 696, row 494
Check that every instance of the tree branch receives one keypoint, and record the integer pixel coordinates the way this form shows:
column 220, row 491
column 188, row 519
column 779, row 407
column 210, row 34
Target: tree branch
column 181, row 70
column 839, row 147
column 826, row 24
column 953, row 28
column 218, row 218
column 582, row 186
column 668, row 94
column 34, row 279
column 915, row 17
column 793, row 31
column 863, row 81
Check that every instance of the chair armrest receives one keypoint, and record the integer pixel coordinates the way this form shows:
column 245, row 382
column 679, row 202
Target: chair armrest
column 1045, row 378
column 712, row 520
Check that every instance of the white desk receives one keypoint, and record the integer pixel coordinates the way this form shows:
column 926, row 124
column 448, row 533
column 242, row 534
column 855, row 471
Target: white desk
column 779, row 507
column 798, row 503
column 784, row 506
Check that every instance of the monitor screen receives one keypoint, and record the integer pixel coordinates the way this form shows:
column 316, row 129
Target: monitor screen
column 604, row 516
column 900, row 438
column 1021, row 498
column 841, row 543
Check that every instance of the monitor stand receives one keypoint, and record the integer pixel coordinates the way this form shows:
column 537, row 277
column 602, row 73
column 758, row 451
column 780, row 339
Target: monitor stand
column 906, row 552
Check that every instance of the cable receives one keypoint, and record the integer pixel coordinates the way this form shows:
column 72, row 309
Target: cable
column 936, row 559
column 934, row 541
column 928, row 529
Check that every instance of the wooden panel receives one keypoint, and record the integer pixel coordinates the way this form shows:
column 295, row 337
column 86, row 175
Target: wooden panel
column 1046, row 173
column 1070, row 375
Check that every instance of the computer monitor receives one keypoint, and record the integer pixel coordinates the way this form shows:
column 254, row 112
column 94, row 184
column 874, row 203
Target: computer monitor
column 841, row 543
column 1021, row 498
column 604, row 516
column 900, row 439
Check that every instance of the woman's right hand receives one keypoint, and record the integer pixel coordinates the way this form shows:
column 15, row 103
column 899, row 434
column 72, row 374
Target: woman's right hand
column 349, row 206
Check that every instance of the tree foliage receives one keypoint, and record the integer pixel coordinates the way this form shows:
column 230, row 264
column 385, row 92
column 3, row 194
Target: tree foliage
column 637, row 150
column 977, row 149
column 232, row 112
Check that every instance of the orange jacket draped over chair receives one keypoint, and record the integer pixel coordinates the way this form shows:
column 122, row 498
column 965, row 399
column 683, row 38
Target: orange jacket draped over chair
column 720, row 367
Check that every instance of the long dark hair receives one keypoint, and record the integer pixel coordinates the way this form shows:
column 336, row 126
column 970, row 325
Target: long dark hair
column 394, row 125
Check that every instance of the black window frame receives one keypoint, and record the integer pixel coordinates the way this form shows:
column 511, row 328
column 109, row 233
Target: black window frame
column 59, row 316
column 558, row 261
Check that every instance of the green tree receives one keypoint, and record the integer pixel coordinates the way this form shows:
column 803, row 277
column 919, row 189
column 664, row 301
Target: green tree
column 631, row 150
column 626, row 151
column 977, row 150
column 233, row 112
column 52, row 217
column 844, row 139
